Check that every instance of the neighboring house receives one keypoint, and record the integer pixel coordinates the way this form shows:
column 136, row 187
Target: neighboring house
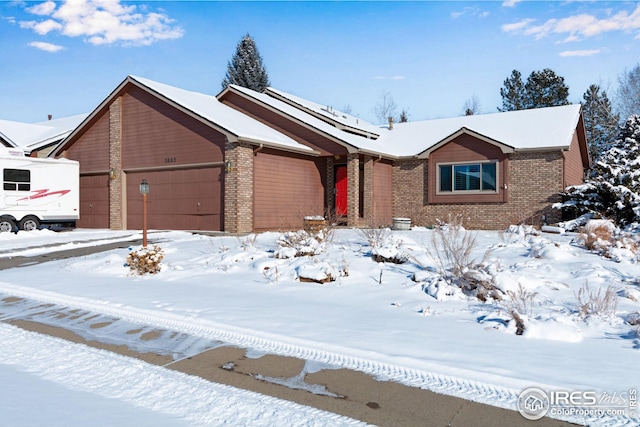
column 245, row 161
column 37, row 139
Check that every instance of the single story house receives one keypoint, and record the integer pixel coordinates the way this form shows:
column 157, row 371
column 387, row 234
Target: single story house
column 244, row 161
column 37, row 139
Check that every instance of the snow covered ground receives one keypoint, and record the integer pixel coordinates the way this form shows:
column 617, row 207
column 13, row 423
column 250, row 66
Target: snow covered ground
column 395, row 321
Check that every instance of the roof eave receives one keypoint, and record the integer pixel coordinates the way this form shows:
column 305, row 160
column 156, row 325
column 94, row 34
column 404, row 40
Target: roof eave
column 281, row 147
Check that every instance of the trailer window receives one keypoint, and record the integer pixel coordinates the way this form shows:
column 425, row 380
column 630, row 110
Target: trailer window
column 17, row 179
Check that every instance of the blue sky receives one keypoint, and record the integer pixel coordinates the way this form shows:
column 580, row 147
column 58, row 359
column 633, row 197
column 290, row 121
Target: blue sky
column 64, row 58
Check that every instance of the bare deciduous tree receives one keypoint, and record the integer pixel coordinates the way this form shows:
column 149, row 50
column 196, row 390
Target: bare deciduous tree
column 471, row 106
column 385, row 108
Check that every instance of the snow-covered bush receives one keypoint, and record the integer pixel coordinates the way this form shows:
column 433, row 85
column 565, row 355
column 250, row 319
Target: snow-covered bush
column 613, row 190
column 452, row 248
column 384, row 246
column 595, row 303
column 604, row 238
column 319, row 272
column 146, row 260
column 300, row 243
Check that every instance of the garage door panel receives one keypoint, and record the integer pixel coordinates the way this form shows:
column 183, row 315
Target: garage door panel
column 184, row 199
column 94, row 202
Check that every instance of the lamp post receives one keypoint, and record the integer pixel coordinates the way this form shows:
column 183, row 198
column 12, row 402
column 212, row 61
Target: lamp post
column 144, row 190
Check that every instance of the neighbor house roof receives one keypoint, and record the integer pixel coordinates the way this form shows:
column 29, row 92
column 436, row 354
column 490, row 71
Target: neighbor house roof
column 207, row 108
column 31, row 136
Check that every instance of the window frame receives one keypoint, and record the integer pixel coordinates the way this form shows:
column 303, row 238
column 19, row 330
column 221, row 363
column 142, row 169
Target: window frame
column 16, row 184
column 453, row 191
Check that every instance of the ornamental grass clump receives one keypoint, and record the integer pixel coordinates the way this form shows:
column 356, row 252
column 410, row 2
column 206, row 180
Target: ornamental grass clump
column 145, row 260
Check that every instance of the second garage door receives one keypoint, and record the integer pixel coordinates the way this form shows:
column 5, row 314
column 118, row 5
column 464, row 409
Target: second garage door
column 182, row 199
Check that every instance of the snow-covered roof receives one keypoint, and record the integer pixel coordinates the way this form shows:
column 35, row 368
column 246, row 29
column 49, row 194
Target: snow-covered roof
column 232, row 121
column 326, row 112
column 535, row 129
column 351, row 141
column 31, row 136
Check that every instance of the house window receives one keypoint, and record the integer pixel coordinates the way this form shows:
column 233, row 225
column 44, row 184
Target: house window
column 467, row 177
column 16, row 179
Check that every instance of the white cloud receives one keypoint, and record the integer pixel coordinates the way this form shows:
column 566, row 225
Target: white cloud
column 103, row 22
column 45, row 8
column 516, row 26
column 578, row 27
column 49, row 47
column 470, row 10
column 580, row 52
column 510, row 3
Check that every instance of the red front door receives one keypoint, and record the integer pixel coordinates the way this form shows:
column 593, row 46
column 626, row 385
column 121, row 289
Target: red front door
column 341, row 190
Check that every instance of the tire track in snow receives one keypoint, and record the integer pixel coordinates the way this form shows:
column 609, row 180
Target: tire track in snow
column 193, row 399
column 480, row 392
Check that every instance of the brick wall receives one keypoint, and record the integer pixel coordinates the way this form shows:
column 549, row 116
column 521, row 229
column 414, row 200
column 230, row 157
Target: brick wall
column 238, row 188
column 534, row 181
column 116, row 216
column 353, row 177
column 367, row 211
column 330, row 187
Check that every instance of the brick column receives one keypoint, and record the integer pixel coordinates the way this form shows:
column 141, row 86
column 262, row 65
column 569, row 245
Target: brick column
column 238, row 188
column 116, row 219
column 330, row 188
column 369, row 218
column 353, row 178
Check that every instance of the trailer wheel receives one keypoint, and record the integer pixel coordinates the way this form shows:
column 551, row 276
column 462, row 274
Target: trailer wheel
column 29, row 223
column 7, row 225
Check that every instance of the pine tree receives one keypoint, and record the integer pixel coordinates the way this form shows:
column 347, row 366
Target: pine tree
column 600, row 124
column 513, row 93
column 545, row 89
column 542, row 89
column 246, row 68
column 613, row 191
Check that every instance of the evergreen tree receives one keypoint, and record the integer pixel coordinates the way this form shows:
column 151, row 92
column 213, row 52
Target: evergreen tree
column 614, row 189
column 545, row 89
column 600, row 124
column 246, row 68
column 513, row 93
column 542, row 89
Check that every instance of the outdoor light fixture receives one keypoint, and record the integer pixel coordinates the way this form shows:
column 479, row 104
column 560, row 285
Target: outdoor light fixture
column 228, row 166
column 112, row 173
column 144, row 187
column 144, row 190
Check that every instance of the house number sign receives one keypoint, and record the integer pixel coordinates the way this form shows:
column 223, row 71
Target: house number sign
column 169, row 159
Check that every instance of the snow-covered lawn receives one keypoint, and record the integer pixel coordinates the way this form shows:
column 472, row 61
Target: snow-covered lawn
column 397, row 321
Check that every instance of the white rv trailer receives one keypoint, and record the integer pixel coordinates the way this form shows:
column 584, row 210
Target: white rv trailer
column 37, row 191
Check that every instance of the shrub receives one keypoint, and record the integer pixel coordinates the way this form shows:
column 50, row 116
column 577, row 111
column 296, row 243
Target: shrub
column 595, row 303
column 452, row 249
column 603, row 237
column 384, row 247
column 145, row 260
column 300, row 243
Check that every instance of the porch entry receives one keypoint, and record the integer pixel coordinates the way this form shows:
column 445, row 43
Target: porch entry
column 341, row 190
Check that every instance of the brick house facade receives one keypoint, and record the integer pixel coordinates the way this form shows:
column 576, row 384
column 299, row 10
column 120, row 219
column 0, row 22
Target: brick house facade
column 244, row 161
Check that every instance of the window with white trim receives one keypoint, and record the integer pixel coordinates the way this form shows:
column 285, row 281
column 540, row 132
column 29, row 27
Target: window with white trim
column 16, row 179
column 467, row 178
